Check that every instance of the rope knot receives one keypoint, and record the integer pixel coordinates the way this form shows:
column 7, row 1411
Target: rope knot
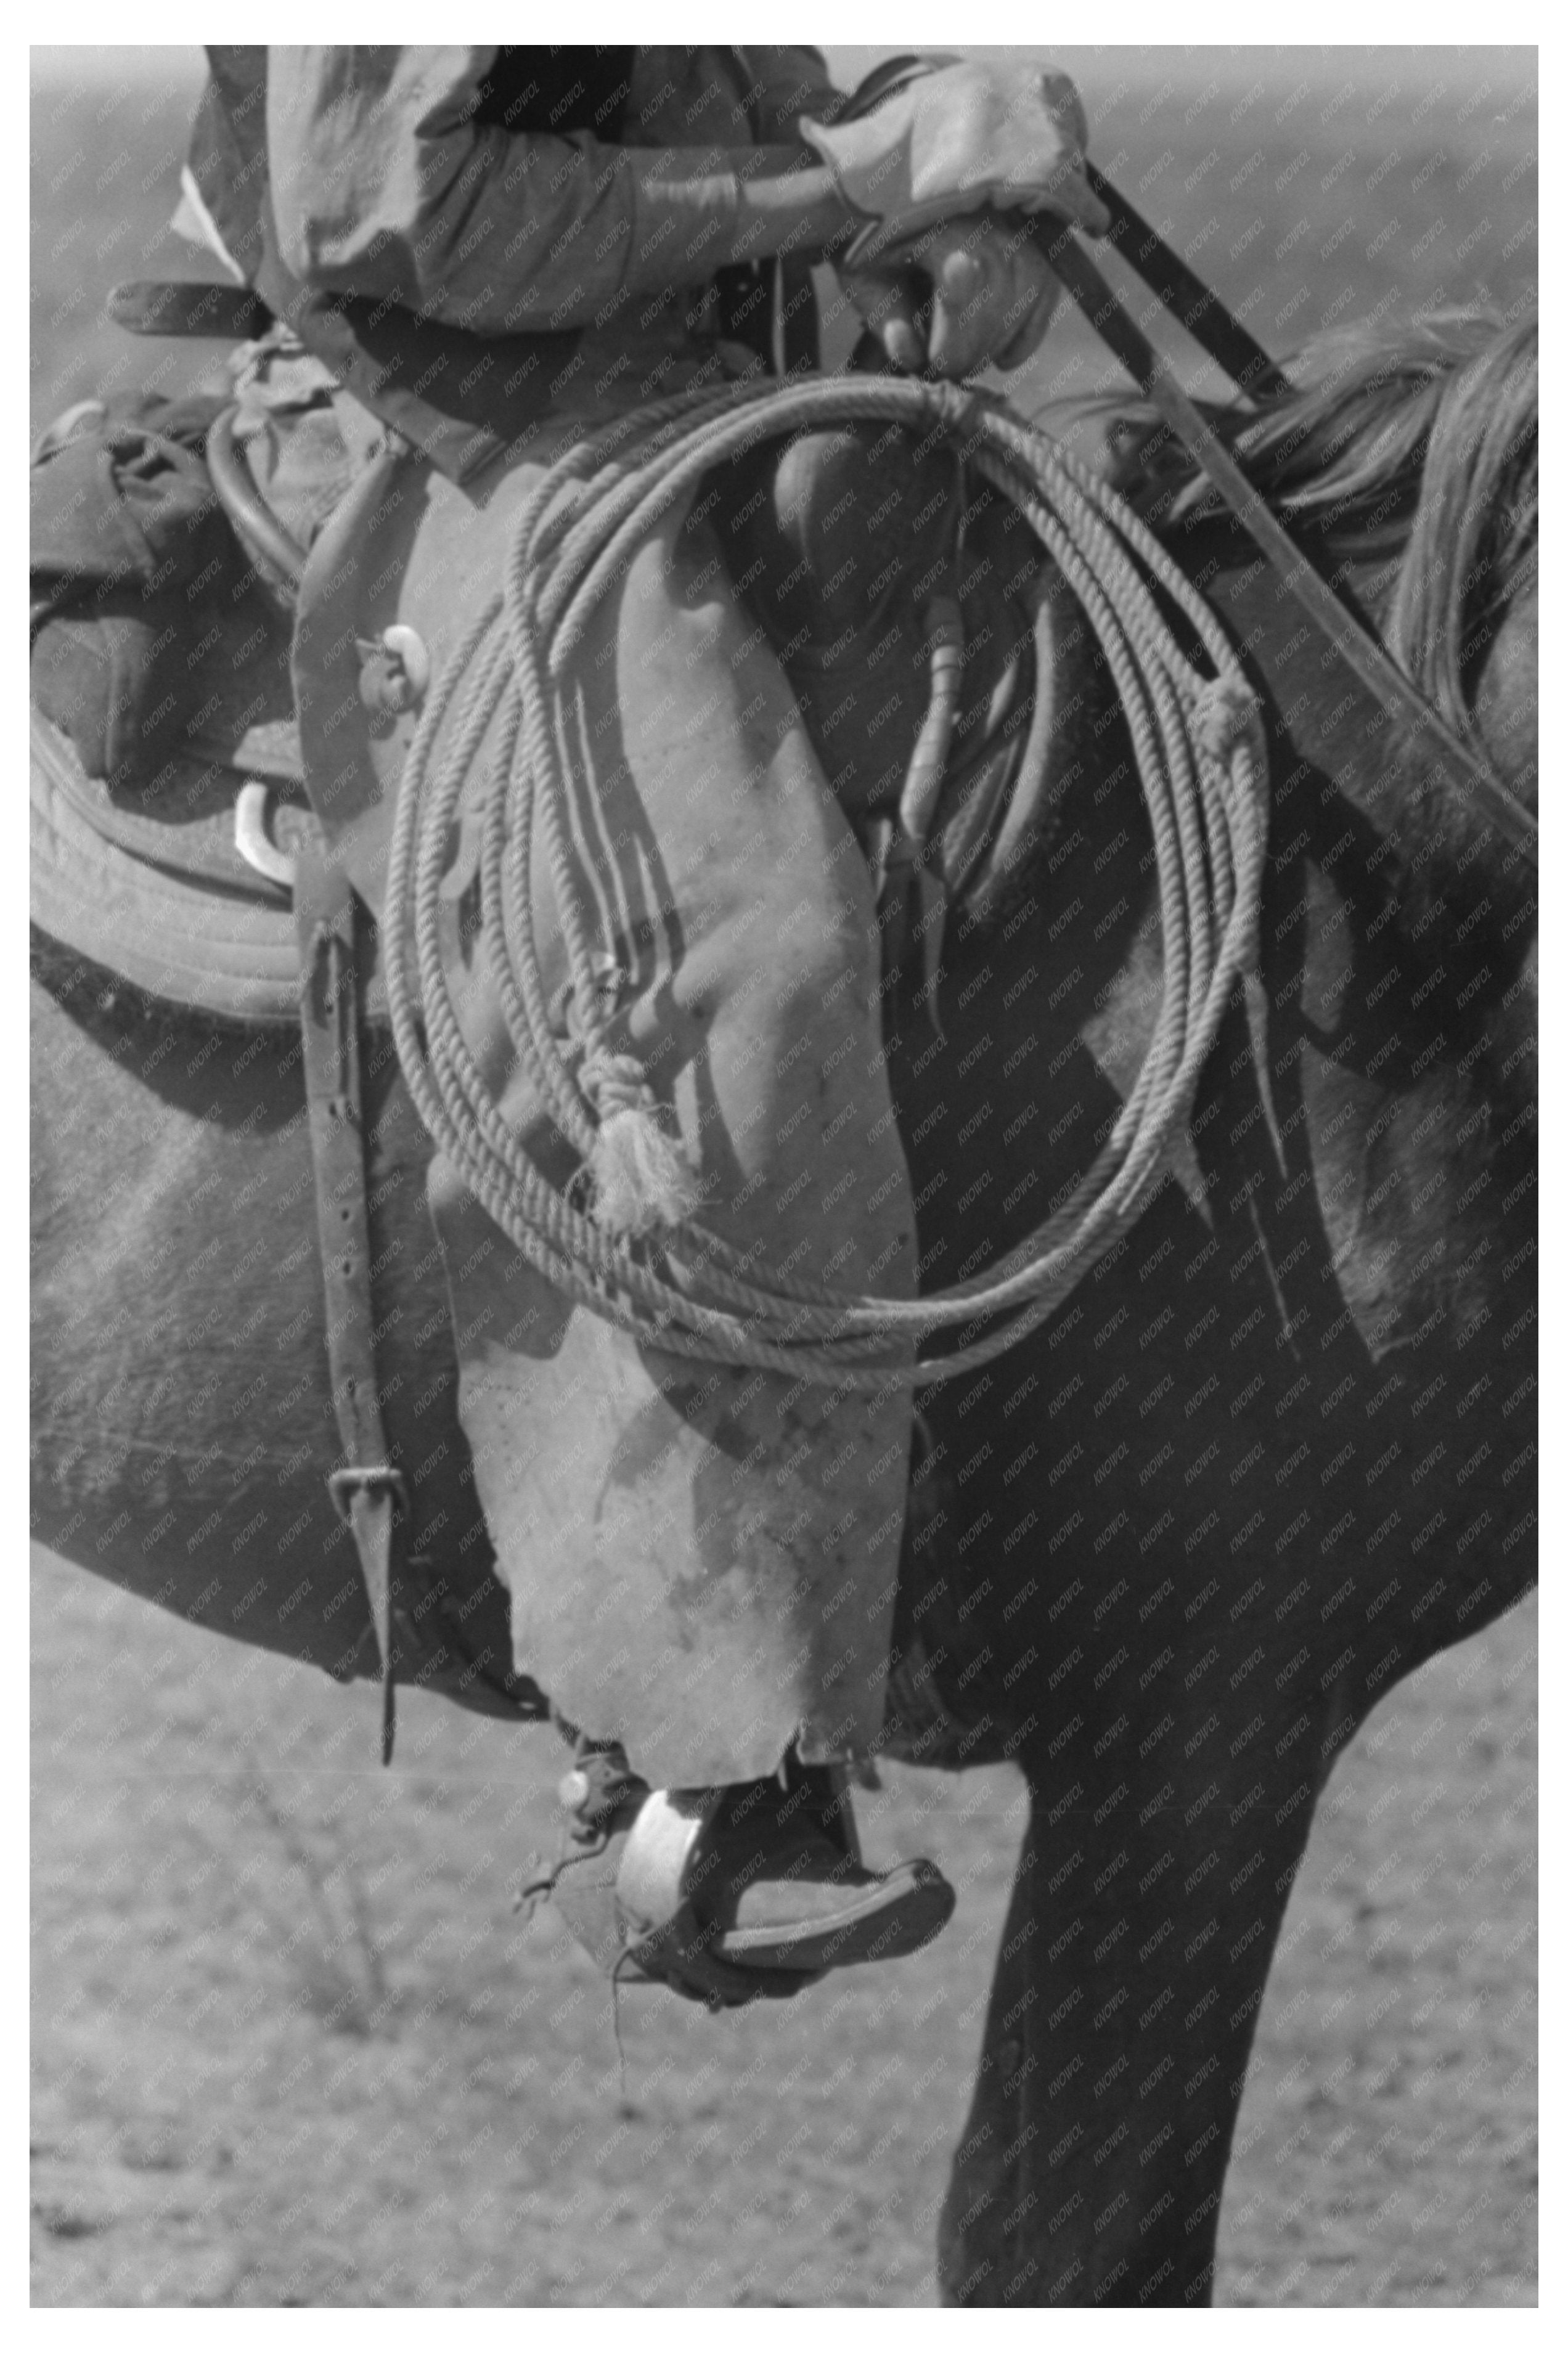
column 613, row 1082
column 642, row 1180
column 1225, row 710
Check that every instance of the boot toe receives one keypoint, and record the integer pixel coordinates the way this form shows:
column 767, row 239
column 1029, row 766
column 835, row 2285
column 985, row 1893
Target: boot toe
column 828, row 1922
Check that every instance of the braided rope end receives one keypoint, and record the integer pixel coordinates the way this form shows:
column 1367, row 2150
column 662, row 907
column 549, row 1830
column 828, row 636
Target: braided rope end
column 642, row 1180
column 1226, row 711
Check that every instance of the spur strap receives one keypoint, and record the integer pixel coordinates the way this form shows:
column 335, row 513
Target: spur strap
column 367, row 1491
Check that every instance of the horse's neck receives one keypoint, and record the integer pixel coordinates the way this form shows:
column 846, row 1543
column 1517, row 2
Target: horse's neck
column 1364, row 879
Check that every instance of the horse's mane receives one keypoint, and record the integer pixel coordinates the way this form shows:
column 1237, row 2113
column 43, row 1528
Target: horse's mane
column 1415, row 451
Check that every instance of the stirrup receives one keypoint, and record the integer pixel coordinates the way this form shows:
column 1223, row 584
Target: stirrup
column 632, row 1887
column 625, row 1904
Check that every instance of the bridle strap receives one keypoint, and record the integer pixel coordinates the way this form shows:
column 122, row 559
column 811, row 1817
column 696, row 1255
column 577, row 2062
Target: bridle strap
column 1355, row 645
column 368, row 1491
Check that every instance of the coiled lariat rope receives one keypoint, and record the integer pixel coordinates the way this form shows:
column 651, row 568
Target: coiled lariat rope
column 680, row 1287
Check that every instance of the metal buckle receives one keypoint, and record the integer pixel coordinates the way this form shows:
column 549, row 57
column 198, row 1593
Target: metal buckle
column 354, row 1477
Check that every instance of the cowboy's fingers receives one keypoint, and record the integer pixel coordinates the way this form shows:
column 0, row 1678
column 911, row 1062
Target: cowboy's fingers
column 968, row 278
column 960, row 341
column 890, row 303
column 959, row 263
column 1031, row 302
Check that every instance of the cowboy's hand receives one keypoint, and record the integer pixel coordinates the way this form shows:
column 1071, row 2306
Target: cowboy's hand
column 968, row 294
column 958, row 137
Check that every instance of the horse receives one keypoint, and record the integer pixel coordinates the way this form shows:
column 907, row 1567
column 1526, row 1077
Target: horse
column 1276, row 1453
column 1165, row 1555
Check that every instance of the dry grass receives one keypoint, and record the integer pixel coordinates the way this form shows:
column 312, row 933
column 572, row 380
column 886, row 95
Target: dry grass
column 293, row 2047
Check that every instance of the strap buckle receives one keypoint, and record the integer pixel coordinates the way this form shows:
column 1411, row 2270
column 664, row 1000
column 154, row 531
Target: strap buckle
column 359, row 1478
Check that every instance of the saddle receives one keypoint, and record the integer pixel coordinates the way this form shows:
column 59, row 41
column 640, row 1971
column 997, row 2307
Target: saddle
column 166, row 794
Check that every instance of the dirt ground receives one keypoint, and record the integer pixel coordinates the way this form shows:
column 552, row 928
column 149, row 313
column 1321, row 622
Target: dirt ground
column 291, row 2047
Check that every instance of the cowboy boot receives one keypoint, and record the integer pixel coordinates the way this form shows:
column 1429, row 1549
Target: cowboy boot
column 728, row 1893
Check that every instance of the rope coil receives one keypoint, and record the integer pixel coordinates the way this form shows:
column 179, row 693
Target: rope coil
column 1203, row 766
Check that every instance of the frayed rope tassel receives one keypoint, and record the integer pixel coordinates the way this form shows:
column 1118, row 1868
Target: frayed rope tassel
column 640, row 1178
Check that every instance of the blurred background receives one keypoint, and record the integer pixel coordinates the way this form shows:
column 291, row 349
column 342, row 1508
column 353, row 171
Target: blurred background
column 290, row 2044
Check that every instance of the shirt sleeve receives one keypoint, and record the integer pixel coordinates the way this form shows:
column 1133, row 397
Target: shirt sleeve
column 384, row 185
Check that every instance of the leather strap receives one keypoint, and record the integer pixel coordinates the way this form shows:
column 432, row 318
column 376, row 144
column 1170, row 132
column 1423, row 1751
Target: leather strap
column 368, row 1490
column 256, row 527
column 150, row 306
column 1198, row 308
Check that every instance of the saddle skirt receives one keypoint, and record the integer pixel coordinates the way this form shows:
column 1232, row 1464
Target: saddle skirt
column 166, row 902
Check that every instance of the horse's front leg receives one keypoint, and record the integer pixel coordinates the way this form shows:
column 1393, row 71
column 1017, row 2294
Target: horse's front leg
column 1151, row 1888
